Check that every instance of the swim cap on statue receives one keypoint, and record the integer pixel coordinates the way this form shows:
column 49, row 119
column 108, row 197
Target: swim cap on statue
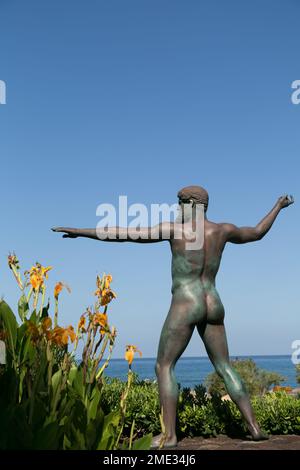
column 198, row 194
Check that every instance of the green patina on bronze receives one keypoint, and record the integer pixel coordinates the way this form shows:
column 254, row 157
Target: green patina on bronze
column 195, row 300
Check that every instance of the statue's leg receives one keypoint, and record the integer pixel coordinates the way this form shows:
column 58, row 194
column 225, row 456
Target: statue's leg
column 175, row 336
column 214, row 338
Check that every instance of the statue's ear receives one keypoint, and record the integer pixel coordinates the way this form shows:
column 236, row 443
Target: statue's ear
column 192, row 202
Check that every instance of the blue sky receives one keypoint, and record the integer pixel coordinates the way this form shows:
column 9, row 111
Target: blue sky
column 140, row 98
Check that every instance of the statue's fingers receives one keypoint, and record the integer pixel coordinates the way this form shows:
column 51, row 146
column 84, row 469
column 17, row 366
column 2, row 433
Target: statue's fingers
column 69, row 235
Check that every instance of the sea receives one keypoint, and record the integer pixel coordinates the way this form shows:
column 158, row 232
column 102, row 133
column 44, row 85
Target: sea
column 191, row 371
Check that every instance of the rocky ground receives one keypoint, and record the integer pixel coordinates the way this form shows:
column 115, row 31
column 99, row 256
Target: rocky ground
column 290, row 442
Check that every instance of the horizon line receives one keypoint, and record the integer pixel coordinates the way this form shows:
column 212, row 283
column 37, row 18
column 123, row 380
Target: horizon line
column 206, row 357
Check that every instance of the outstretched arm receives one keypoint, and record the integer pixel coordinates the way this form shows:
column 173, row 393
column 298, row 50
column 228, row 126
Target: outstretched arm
column 250, row 234
column 157, row 233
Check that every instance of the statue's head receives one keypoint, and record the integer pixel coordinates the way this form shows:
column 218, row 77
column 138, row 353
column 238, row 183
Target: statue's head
column 193, row 195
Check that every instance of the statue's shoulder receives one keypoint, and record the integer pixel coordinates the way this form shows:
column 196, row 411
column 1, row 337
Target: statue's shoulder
column 221, row 228
column 226, row 226
column 215, row 226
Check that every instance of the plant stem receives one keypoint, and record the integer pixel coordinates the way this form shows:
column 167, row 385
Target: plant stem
column 55, row 312
column 29, row 294
column 43, row 300
column 36, row 298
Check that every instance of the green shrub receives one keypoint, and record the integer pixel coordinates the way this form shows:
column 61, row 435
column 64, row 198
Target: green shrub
column 258, row 381
column 201, row 415
column 142, row 404
column 278, row 413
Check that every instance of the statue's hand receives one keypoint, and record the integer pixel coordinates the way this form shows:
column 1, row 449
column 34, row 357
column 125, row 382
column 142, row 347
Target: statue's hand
column 68, row 232
column 285, row 201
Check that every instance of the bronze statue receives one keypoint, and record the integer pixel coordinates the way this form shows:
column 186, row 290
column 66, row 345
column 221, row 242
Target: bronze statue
column 195, row 300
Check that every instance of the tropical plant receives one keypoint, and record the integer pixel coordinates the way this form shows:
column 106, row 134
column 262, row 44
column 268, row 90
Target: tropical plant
column 47, row 400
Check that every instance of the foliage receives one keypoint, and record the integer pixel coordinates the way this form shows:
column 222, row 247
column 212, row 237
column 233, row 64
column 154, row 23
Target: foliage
column 47, row 401
column 258, row 381
column 142, row 404
column 200, row 414
column 278, row 412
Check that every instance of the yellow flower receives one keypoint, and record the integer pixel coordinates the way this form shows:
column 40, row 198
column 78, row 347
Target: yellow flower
column 68, row 333
column 108, row 280
column 129, row 353
column 14, row 265
column 36, row 332
column 71, row 333
column 104, row 292
column 33, row 331
column 59, row 286
column 100, row 319
column 46, row 323
column 55, row 336
column 37, row 275
column 44, row 271
column 60, row 336
column 36, row 281
column 107, row 296
column 13, row 261
column 81, row 324
column 57, row 289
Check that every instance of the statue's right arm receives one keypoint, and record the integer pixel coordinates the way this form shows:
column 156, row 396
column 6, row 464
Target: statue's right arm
column 250, row 234
column 157, row 233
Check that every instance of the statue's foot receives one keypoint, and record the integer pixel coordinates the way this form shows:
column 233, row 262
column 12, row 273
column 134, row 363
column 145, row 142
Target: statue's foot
column 162, row 442
column 258, row 435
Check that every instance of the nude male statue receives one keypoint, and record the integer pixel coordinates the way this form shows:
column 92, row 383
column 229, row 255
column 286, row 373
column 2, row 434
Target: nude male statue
column 195, row 300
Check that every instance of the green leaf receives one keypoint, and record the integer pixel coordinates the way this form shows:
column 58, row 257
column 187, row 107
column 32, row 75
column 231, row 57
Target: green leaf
column 48, row 437
column 56, row 382
column 34, row 317
column 72, row 374
column 8, row 319
column 22, row 374
column 111, row 422
column 66, row 443
column 23, row 307
column 77, row 382
column 19, row 434
column 143, row 443
column 45, row 311
column 93, row 406
column 91, row 434
column 56, row 379
column 77, row 440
